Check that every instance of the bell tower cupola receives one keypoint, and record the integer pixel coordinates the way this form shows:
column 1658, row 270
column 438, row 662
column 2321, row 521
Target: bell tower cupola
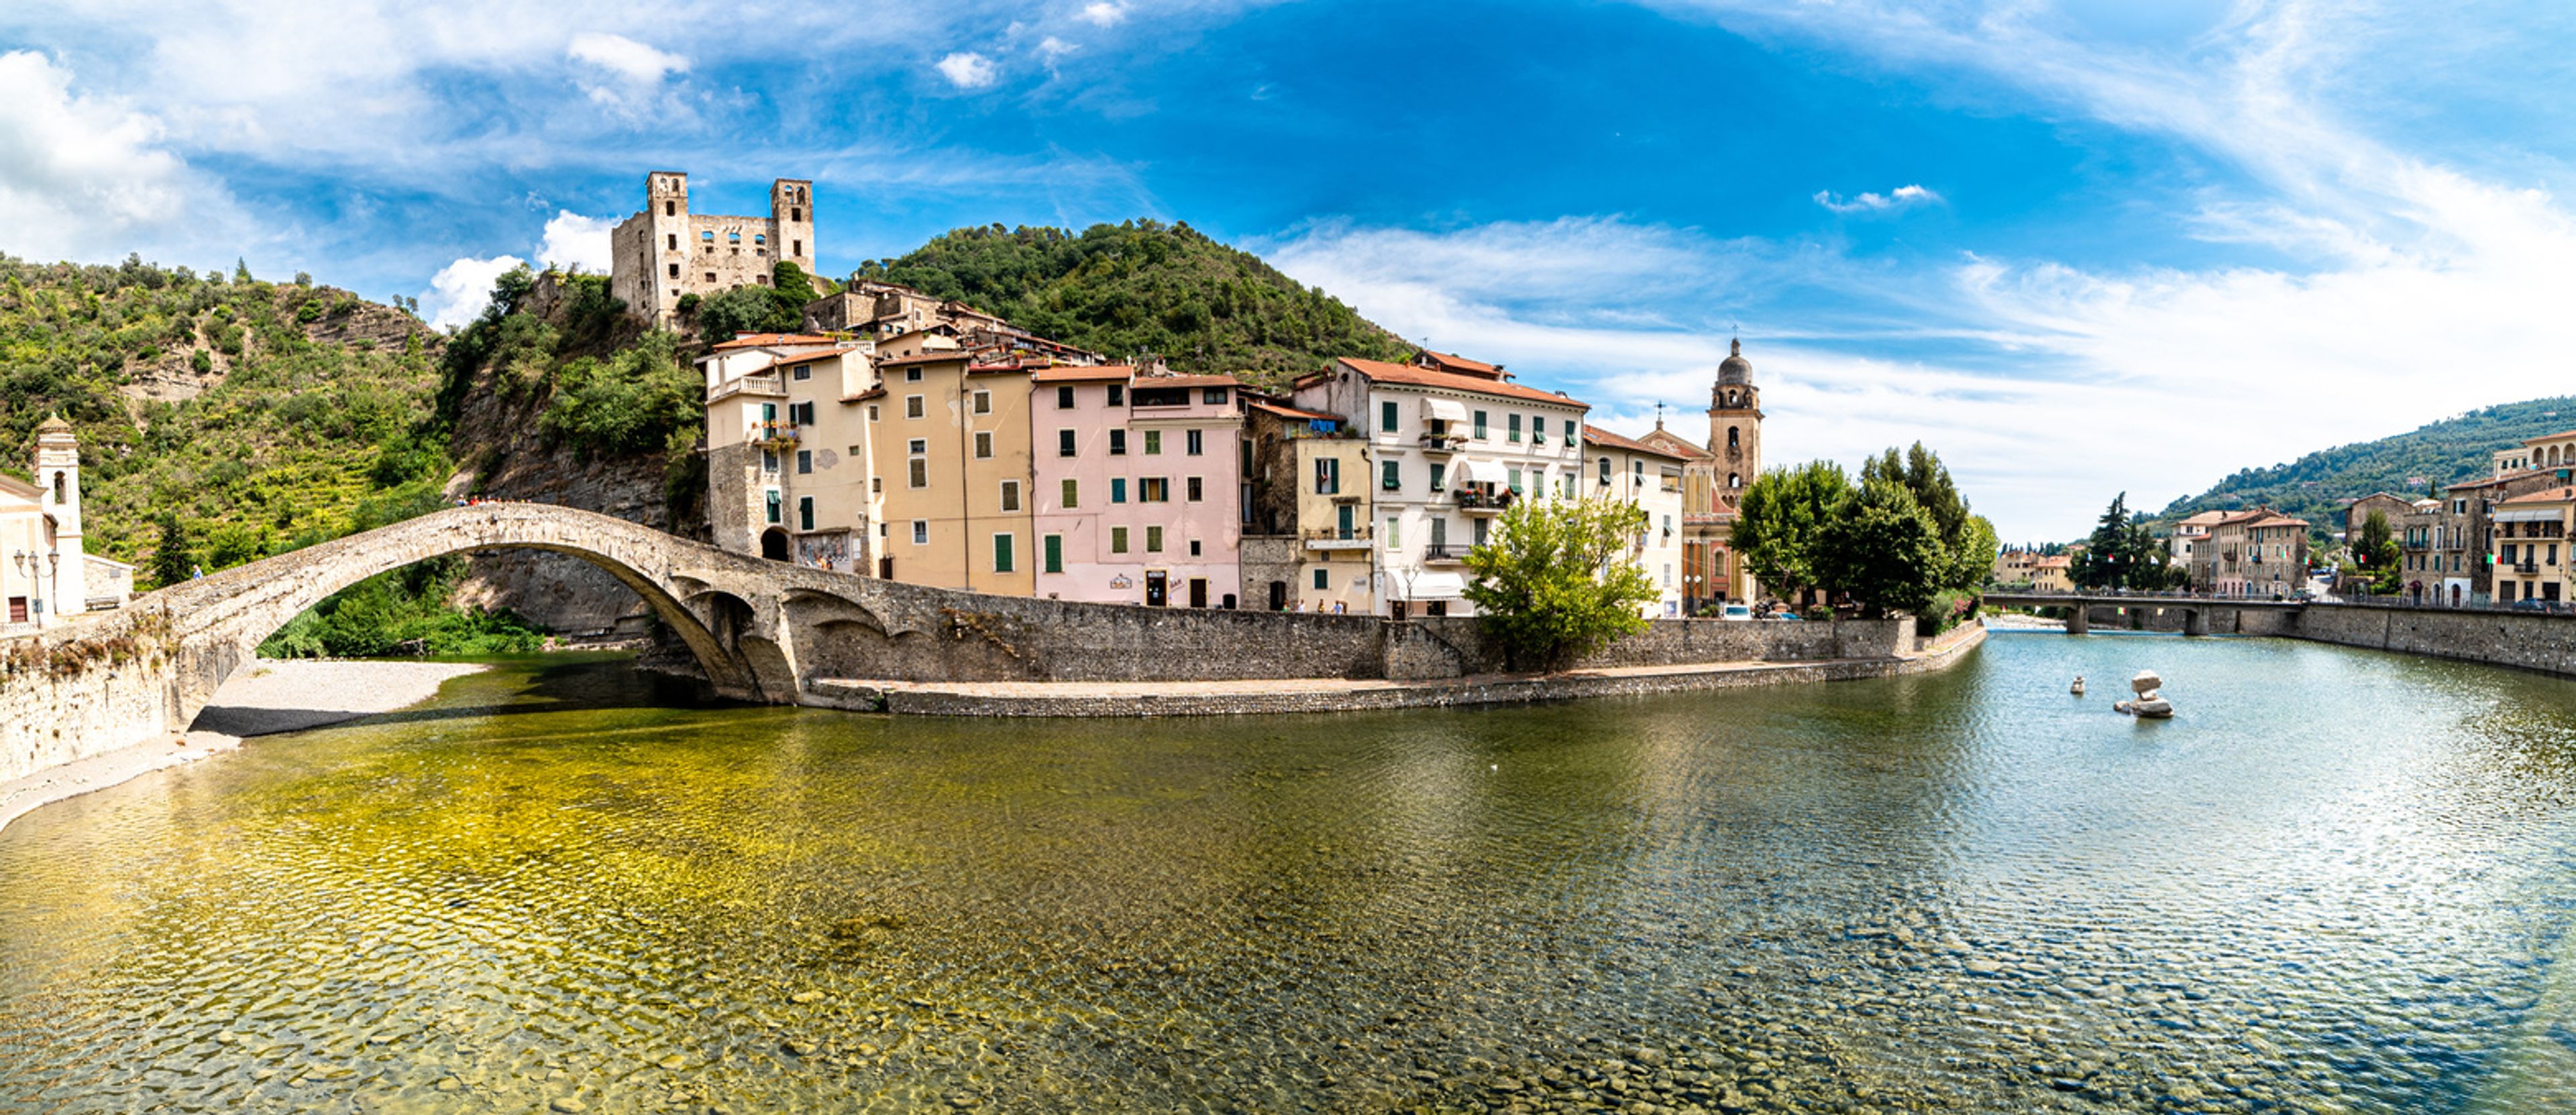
column 1735, row 425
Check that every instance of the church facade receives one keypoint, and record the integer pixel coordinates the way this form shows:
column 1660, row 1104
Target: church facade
column 1713, row 481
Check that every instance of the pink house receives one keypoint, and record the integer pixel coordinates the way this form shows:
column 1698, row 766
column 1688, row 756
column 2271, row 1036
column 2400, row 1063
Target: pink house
column 1138, row 487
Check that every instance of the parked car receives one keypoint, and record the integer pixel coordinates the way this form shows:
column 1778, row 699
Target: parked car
column 2540, row 606
column 1736, row 611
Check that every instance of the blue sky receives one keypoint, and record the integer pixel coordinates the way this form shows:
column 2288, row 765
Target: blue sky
column 2077, row 247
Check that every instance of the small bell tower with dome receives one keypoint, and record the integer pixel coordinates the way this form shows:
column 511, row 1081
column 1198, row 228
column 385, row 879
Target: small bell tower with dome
column 1735, row 426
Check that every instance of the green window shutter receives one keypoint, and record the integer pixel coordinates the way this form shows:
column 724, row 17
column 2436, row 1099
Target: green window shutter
column 1055, row 553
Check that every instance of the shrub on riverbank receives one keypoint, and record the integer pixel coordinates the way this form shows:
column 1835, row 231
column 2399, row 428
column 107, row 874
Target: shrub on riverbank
column 405, row 612
column 1560, row 578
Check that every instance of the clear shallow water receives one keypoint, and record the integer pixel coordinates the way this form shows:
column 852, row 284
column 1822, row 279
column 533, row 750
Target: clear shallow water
column 2338, row 882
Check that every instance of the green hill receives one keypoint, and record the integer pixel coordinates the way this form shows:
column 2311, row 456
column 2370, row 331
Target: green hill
column 1144, row 287
column 2444, row 452
column 263, row 415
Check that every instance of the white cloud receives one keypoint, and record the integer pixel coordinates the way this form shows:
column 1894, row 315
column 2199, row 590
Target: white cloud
column 1104, row 14
column 91, row 177
column 576, row 241
column 461, row 289
column 1902, row 197
column 624, row 57
column 968, row 70
column 1052, row 48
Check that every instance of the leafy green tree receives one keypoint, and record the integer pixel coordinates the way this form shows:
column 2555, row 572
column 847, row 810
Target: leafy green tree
column 1882, row 549
column 1779, row 522
column 2122, row 552
column 1967, row 539
column 2376, row 553
column 1558, row 578
column 172, row 561
column 726, row 314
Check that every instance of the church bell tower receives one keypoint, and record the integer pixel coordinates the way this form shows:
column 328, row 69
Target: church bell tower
column 1735, row 426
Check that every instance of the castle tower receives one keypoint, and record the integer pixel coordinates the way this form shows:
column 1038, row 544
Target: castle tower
column 1735, row 425
column 58, row 477
column 791, row 216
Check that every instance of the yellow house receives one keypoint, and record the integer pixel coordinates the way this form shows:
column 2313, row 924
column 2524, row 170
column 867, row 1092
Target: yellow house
column 950, row 440
column 2053, row 574
column 2531, row 558
column 1337, row 569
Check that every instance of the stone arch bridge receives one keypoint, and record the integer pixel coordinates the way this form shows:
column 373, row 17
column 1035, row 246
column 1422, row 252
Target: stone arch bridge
column 2197, row 615
column 761, row 630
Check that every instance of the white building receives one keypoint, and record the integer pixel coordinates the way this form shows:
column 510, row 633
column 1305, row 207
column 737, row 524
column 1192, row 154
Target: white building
column 1631, row 471
column 1450, row 444
column 44, row 575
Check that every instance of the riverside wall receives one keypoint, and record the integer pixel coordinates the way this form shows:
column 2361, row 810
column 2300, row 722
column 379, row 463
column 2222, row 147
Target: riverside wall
column 2534, row 641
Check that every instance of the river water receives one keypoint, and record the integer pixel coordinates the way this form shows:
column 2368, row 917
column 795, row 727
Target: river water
column 2338, row 881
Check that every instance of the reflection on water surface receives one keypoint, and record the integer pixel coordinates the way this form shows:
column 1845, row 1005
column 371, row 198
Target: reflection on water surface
column 2338, row 882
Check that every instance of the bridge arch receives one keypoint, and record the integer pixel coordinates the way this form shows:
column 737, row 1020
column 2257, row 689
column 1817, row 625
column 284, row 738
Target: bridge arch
column 220, row 620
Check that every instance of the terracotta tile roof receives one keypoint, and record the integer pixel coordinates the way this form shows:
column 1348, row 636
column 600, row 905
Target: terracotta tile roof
column 773, row 340
column 1381, row 371
column 1286, row 411
column 1451, row 362
column 1074, row 373
column 2059, row 562
column 1598, row 436
column 2205, row 518
column 2562, row 435
column 2545, row 495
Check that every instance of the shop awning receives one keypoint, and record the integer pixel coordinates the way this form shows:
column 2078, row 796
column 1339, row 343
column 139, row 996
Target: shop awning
column 2529, row 515
column 1438, row 586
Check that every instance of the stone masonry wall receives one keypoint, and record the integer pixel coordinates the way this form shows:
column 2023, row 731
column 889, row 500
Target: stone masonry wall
column 2531, row 642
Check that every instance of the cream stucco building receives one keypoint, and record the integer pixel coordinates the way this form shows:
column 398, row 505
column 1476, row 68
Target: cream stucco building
column 45, row 577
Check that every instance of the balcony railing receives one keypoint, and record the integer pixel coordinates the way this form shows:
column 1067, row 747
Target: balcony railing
column 752, row 384
column 1483, row 499
column 2527, row 567
column 1442, row 443
column 1445, row 552
column 774, row 433
column 1355, row 537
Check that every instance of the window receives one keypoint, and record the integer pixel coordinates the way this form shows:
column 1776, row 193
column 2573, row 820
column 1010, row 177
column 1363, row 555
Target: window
column 670, row 209
column 1118, row 540
column 917, row 446
column 768, row 460
column 1323, row 579
column 1480, row 424
column 802, row 413
column 804, row 461
column 804, row 512
column 1153, row 540
column 912, row 375
column 872, row 412
column 1010, row 495
column 1387, row 417
column 1731, row 439
column 1064, row 443
column 1389, row 476
column 983, row 402
column 772, row 502
column 1515, row 477
column 1636, row 475
column 769, row 412
column 1118, row 394
column 1194, row 442
column 983, row 445
column 1153, row 442
column 733, row 238
column 1605, row 471
column 1513, row 425
column 921, row 532
column 1569, row 431
column 1117, row 443
column 1055, row 553
column 919, row 473
column 1439, row 476
column 1538, row 430
column 1439, row 533
column 1394, row 533
column 1001, row 553
column 1328, row 476
column 675, row 270
column 1153, row 489
column 1064, row 398
column 1212, row 396
column 1195, row 491
column 1734, row 480
column 876, row 485
column 796, row 247
column 912, row 406
column 1117, row 489
column 1070, row 495
column 708, row 236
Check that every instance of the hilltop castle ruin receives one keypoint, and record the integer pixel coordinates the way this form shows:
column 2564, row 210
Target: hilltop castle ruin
column 665, row 252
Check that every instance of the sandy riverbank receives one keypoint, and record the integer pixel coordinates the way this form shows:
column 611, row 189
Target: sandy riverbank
column 2014, row 622
column 268, row 697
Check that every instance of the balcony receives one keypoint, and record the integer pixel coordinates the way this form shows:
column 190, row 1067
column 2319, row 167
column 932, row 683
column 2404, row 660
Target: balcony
column 1442, row 443
column 1337, row 538
column 776, row 433
column 1485, row 499
column 768, row 384
column 2527, row 567
column 1445, row 554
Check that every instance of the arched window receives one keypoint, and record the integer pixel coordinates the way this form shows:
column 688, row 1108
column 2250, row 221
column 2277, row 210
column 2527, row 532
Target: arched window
column 58, row 487
column 1730, row 437
column 709, row 236
column 733, row 238
column 759, row 238
column 1734, row 480
column 1605, row 470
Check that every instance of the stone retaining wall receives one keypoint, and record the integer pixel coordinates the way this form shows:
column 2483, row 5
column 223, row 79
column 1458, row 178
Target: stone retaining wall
column 1524, row 689
column 2532, row 642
